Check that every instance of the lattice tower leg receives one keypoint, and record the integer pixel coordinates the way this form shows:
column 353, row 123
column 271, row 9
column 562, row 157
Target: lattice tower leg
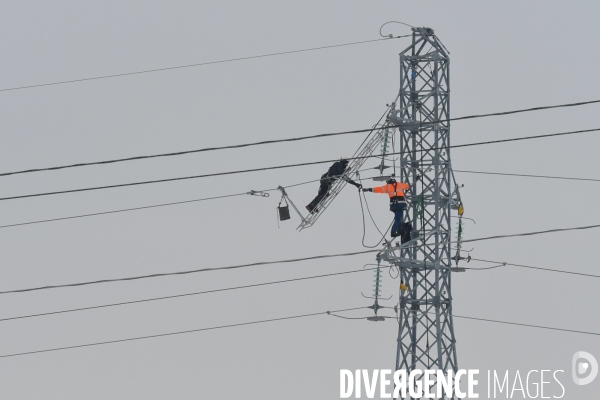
column 426, row 332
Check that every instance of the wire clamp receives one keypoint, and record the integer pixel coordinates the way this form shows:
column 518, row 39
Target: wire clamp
column 258, row 193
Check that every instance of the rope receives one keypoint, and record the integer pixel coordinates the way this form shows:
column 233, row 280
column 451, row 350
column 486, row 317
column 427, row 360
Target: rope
column 372, row 220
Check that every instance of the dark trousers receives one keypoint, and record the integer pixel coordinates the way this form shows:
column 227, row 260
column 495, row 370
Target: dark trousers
column 398, row 209
column 323, row 189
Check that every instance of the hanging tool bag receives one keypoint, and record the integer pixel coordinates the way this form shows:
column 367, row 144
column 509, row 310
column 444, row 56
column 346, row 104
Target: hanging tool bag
column 283, row 211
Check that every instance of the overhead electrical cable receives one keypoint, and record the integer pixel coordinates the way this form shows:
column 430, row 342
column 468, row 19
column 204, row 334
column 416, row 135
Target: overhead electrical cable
column 527, row 325
column 187, row 272
column 502, row 264
column 506, row 323
column 522, row 110
column 163, row 274
column 153, row 206
column 287, row 166
column 198, row 64
column 532, row 233
column 279, row 319
column 187, row 294
column 178, row 333
column 122, row 210
column 527, row 175
column 295, row 139
column 242, row 194
column 179, row 153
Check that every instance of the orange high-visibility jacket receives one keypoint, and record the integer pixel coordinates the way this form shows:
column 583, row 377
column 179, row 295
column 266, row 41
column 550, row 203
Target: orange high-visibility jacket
column 392, row 189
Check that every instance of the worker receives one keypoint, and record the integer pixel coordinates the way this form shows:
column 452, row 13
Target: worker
column 397, row 203
column 336, row 171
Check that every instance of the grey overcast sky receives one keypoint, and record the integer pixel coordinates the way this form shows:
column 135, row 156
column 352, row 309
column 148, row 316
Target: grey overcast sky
column 505, row 56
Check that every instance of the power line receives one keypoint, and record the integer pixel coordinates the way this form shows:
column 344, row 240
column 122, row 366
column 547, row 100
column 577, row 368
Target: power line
column 582, row 103
column 502, row 264
column 120, row 211
column 528, row 175
column 274, row 320
column 187, row 294
column 295, row 139
column 153, row 206
column 197, row 64
column 286, row 166
column 533, row 233
column 241, row 194
column 514, row 323
column 277, row 262
column 527, row 325
column 187, row 272
column 179, row 153
column 482, row 319
column 177, row 333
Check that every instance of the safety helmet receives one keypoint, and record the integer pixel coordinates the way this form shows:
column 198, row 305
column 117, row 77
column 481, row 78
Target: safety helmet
column 390, row 181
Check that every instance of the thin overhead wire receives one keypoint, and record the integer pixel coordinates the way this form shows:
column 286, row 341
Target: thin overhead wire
column 274, row 262
column 122, row 210
column 179, row 153
column 533, row 233
column 286, row 166
column 186, row 294
column 295, row 139
column 330, row 313
column 528, row 175
column 582, row 103
column 176, row 333
column 527, row 325
column 502, row 264
column 153, row 206
column 196, row 64
column 497, row 321
column 187, row 272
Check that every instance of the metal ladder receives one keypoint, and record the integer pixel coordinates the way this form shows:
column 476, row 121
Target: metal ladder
column 354, row 165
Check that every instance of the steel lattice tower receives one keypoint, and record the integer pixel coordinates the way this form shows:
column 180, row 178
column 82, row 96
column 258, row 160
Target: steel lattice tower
column 426, row 332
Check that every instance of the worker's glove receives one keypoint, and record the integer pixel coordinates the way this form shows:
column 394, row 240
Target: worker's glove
column 367, row 190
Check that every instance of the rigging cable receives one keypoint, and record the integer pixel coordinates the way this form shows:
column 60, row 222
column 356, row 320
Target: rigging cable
column 372, row 220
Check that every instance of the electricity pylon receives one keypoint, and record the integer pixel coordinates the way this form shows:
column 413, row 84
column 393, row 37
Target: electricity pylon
column 426, row 332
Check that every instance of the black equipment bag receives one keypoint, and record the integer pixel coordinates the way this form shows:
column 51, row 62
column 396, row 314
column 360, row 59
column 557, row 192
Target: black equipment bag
column 284, row 212
column 405, row 232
